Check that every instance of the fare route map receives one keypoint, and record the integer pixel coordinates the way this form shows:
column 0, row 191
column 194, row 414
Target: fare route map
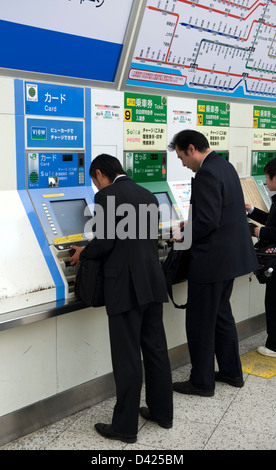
column 218, row 47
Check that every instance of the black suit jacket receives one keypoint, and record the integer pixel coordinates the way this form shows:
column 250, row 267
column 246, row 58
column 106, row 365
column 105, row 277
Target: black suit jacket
column 222, row 247
column 267, row 233
column 131, row 265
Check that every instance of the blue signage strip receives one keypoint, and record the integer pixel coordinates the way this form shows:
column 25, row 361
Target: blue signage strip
column 48, row 133
column 21, row 186
column 43, row 51
column 19, row 134
column 46, row 99
column 88, row 137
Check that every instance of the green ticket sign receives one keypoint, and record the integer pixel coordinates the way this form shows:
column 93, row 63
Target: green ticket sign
column 145, row 108
column 145, row 167
column 264, row 117
column 259, row 160
column 211, row 113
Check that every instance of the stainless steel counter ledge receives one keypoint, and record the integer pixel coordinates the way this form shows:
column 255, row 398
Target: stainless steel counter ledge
column 37, row 313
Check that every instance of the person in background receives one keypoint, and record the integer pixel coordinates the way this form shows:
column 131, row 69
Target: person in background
column 134, row 289
column 221, row 250
column 266, row 236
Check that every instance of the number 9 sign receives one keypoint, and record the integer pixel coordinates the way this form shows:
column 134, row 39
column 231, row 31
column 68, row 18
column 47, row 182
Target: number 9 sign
column 128, row 114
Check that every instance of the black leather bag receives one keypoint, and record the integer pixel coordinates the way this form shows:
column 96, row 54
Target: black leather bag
column 267, row 263
column 89, row 282
column 175, row 268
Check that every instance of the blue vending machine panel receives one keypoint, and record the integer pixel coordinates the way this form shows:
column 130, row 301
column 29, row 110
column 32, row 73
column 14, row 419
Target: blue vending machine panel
column 53, row 133
column 53, row 170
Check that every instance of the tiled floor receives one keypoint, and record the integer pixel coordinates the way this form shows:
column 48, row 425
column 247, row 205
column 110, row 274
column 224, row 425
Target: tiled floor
column 234, row 419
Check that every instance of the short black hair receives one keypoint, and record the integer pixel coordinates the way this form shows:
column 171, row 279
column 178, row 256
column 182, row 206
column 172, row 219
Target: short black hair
column 108, row 165
column 270, row 168
column 184, row 138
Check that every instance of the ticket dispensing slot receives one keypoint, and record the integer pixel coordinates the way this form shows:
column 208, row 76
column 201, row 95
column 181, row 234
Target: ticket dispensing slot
column 63, row 253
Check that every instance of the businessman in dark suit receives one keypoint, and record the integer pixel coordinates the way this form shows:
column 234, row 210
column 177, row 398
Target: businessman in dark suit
column 267, row 236
column 134, row 289
column 221, row 250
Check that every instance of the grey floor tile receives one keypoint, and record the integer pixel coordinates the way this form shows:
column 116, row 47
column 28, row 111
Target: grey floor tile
column 253, row 409
column 227, row 438
column 70, row 440
column 41, row 438
column 202, row 409
column 234, row 419
column 185, row 435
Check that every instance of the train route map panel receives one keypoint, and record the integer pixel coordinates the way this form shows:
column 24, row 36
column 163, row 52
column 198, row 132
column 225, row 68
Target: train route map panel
column 217, row 47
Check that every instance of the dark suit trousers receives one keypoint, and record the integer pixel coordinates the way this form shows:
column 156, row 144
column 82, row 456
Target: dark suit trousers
column 140, row 329
column 211, row 331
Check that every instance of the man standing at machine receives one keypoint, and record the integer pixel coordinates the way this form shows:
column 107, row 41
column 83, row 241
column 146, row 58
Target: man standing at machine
column 266, row 235
column 221, row 250
column 135, row 289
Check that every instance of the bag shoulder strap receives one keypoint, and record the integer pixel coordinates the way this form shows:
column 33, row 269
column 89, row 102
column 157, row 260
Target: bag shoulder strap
column 170, row 292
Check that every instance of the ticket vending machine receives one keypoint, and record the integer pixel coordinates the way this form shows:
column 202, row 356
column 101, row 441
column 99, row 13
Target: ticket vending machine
column 149, row 169
column 63, row 205
column 259, row 160
column 174, row 205
column 53, row 156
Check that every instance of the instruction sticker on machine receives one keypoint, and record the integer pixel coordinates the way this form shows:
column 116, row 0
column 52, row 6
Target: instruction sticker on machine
column 48, row 133
column 146, row 137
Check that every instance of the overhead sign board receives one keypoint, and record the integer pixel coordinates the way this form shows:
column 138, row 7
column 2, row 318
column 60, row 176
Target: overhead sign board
column 209, row 47
column 71, row 38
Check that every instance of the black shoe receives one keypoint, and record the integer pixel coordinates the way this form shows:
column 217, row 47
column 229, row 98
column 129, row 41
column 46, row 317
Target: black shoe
column 145, row 413
column 107, row 431
column 234, row 381
column 188, row 388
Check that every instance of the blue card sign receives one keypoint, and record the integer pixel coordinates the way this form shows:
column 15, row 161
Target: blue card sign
column 49, row 133
column 46, row 99
column 53, row 170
